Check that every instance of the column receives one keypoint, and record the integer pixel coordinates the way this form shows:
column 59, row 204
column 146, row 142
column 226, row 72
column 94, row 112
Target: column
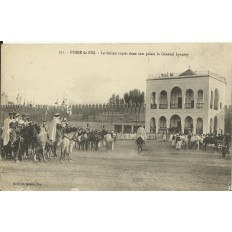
column 183, row 100
column 195, row 100
column 122, row 128
column 194, row 125
column 168, row 99
column 132, row 128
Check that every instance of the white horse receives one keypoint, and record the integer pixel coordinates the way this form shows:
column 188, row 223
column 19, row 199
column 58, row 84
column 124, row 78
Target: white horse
column 43, row 140
column 109, row 140
column 196, row 139
column 67, row 145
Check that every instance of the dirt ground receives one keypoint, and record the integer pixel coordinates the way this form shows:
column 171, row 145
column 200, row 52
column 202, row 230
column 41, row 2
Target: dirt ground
column 159, row 167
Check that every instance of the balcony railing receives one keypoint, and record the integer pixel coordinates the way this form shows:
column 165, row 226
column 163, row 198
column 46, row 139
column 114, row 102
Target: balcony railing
column 189, row 105
column 163, row 105
column 175, row 106
column 200, row 105
column 153, row 106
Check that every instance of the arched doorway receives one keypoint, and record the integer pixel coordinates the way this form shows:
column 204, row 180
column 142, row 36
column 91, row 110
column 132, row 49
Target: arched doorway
column 163, row 104
column 153, row 101
column 176, row 98
column 189, row 101
column 216, row 99
column 152, row 125
column 188, row 128
column 162, row 125
column 175, row 124
column 215, row 126
column 199, row 127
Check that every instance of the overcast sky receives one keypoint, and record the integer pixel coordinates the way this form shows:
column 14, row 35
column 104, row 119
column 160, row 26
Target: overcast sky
column 40, row 74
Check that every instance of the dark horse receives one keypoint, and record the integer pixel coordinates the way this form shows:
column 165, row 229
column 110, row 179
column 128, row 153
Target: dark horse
column 92, row 140
column 29, row 135
column 139, row 143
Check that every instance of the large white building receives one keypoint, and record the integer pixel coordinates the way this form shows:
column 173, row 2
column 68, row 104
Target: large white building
column 187, row 102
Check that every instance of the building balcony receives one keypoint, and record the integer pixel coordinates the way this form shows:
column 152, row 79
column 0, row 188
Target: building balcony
column 200, row 105
column 163, row 106
column 153, row 106
column 189, row 105
column 175, row 106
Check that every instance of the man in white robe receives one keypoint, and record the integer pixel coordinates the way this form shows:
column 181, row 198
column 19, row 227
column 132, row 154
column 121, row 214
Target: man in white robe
column 141, row 133
column 6, row 129
column 52, row 127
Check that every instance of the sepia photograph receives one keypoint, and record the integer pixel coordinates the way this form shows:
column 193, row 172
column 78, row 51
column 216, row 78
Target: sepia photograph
column 116, row 117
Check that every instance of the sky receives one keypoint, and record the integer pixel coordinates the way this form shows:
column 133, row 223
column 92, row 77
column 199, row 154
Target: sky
column 43, row 73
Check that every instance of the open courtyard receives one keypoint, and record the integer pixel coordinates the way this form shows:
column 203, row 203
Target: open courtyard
column 159, row 167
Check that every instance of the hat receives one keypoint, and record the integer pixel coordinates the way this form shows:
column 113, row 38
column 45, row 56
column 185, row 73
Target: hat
column 23, row 115
column 56, row 114
column 10, row 113
column 14, row 113
column 65, row 119
column 28, row 118
column 17, row 115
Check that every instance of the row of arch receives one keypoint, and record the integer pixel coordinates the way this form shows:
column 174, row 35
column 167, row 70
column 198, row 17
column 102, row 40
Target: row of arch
column 175, row 124
column 176, row 99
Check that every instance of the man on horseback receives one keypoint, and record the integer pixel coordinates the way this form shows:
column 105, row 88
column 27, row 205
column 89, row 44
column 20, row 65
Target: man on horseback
column 52, row 127
column 6, row 129
column 141, row 133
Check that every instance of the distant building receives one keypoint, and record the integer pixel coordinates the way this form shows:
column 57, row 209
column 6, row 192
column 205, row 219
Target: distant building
column 187, row 102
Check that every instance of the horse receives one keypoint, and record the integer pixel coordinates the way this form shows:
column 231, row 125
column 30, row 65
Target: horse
column 81, row 140
column 15, row 144
column 92, row 140
column 196, row 140
column 68, row 143
column 109, row 140
column 184, row 141
column 29, row 134
column 139, row 143
column 48, row 146
column 209, row 141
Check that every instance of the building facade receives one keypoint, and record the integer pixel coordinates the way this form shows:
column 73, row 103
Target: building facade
column 187, row 102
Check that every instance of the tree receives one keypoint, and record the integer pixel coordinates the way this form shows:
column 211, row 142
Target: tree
column 135, row 96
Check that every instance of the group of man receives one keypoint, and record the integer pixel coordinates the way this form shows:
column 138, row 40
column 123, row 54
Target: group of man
column 13, row 119
column 24, row 121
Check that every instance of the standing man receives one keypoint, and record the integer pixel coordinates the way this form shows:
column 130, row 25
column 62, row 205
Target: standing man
column 6, row 129
column 52, row 127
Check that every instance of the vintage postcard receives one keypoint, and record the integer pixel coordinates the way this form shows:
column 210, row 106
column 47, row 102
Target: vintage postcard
column 116, row 117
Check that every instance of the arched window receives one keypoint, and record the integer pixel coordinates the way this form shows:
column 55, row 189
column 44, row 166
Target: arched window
column 153, row 101
column 199, row 127
column 176, row 98
column 211, row 100
column 189, row 101
column 175, row 124
column 188, row 126
column 200, row 99
column 152, row 125
column 163, row 101
column 215, row 126
column 216, row 99
column 162, row 125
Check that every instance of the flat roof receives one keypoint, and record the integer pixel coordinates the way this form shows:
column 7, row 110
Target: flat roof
column 186, row 74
